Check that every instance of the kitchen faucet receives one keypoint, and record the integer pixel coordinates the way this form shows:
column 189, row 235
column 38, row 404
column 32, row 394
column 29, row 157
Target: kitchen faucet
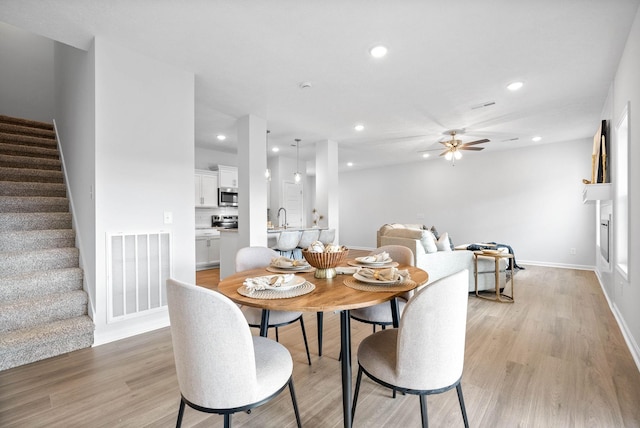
column 285, row 217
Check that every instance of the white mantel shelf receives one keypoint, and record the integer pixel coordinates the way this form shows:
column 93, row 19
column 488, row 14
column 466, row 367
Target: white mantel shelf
column 596, row 192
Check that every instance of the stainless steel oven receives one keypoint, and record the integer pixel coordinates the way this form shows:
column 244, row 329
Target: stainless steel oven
column 227, row 197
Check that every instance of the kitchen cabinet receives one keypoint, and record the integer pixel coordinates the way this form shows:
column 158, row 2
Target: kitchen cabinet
column 207, row 252
column 206, row 183
column 228, row 176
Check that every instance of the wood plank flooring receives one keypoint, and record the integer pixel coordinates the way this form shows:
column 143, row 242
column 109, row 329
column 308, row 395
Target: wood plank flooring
column 554, row 358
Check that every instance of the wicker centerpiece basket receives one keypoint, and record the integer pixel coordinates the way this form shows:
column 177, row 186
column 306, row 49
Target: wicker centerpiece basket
column 326, row 262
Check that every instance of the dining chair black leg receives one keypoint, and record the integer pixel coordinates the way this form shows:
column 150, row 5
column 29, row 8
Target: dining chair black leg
column 295, row 402
column 180, row 413
column 462, row 406
column 304, row 336
column 320, row 318
column 423, row 411
column 277, row 338
column 227, row 420
column 355, row 394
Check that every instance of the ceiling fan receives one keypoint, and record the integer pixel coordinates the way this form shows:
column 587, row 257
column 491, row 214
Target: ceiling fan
column 454, row 146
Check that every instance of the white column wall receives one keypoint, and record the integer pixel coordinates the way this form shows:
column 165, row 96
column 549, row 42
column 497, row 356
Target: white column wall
column 327, row 186
column 144, row 165
column 252, row 192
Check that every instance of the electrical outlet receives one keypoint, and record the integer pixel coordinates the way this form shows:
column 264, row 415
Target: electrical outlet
column 572, row 251
column 168, row 217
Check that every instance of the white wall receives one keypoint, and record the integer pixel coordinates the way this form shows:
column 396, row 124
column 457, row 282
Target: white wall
column 26, row 87
column 624, row 293
column 144, row 163
column 75, row 122
column 529, row 198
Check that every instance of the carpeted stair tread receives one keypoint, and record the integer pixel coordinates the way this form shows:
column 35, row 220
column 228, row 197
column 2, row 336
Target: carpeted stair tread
column 29, row 162
column 29, row 174
column 28, row 140
column 40, row 283
column 34, row 221
column 26, row 122
column 26, row 313
column 33, row 204
column 15, row 188
column 27, row 240
column 21, row 347
column 12, row 128
column 22, row 150
column 21, row 262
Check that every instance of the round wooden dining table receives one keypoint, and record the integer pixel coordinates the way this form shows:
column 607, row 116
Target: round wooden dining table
column 328, row 295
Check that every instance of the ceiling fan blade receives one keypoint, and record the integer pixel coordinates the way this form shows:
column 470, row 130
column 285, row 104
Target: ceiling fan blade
column 476, row 142
column 477, row 149
column 444, row 153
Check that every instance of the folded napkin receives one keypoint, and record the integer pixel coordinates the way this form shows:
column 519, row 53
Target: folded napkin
column 389, row 274
column 286, row 262
column 376, row 258
column 268, row 281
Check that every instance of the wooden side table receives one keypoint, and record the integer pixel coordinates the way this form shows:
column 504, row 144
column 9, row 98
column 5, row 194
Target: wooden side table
column 497, row 256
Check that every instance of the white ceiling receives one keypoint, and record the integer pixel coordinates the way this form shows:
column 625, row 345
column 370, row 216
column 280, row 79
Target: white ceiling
column 445, row 57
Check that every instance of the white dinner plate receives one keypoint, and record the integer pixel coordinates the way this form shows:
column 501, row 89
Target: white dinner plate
column 292, row 268
column 293, row 283
column 372, row 280
column 364, row 262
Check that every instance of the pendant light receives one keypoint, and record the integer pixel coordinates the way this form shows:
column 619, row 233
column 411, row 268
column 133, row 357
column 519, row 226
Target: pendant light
column 267, row 172
column 297, row 176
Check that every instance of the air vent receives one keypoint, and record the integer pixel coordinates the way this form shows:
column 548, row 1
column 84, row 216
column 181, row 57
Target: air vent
column 483, row 105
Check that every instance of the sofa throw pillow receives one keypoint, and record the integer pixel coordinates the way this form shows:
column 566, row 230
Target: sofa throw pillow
column 443, row 243
column 425, row 237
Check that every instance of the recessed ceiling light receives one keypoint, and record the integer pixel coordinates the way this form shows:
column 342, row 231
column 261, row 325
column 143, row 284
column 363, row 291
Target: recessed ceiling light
column 514, row 86
column 358, row 127
column 536, row 139
column 349, row 163
column 378, row 51
column 425, row 155
column 221, row 137
column 275, row 149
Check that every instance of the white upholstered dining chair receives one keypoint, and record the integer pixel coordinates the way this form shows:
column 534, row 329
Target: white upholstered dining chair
column 425, row 355
column 248, row 258
column 380, row 314
column 221, row 367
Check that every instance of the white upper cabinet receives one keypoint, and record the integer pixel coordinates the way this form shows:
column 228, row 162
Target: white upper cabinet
column 206, row 183
column 228, row 176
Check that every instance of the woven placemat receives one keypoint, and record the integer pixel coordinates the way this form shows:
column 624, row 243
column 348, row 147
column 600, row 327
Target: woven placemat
column 406, row 285
column 302, row 289
column 275, row 269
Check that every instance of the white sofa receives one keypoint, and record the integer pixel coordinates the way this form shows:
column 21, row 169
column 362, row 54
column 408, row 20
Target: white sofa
column 440, row 259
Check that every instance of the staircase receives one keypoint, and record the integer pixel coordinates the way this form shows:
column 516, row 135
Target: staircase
column 43, row 308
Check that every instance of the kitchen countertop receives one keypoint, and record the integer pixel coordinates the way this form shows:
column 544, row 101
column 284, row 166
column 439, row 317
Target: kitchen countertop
column 295, row 229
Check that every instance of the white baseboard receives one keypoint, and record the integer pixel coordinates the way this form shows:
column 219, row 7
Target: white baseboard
column 132, row 327
column 626, row 333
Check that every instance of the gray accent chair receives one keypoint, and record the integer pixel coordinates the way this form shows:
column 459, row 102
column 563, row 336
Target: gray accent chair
column 380, row 314
column 425, row 355
column 248, row 258
column 221, row 367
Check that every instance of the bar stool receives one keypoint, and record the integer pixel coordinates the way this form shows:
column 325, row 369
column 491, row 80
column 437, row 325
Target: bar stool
column 327, row 236
column 287, row 242
column 306, row 239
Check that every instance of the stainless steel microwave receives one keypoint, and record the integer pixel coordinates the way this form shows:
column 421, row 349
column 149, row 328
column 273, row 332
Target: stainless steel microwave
column 227, row 197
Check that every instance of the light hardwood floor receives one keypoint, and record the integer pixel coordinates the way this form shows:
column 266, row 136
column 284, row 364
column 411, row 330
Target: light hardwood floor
column 554, row 358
